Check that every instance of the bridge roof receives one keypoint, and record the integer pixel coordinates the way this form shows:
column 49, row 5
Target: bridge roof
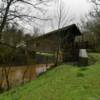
column 71, row 29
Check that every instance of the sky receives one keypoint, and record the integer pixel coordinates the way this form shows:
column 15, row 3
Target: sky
column 76, row 8
column 78, row 5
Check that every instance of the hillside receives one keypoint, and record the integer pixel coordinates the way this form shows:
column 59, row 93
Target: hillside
column 65, row 82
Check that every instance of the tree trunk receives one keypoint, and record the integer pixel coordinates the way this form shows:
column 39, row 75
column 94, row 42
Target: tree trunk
column 7, row 78
column 5, row 18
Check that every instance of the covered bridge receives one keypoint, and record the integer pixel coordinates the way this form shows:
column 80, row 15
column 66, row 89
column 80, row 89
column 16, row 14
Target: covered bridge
column 63, row 38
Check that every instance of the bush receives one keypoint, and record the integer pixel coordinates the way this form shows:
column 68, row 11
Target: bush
column 91, row 59
column 19, row 57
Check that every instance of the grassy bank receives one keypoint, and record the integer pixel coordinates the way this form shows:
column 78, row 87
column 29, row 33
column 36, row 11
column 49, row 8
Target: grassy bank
column 65, row 82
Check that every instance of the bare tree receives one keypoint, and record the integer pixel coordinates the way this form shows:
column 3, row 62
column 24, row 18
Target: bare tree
column 91, row 24
column 6, row 70
column 36, row 32
column 15, row 9
column 93, row 19
column 2, row 78
column 12, row 11
column 61, row 19
column 96, row 8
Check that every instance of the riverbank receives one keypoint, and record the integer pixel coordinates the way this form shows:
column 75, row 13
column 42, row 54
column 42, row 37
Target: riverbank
column 65, row 82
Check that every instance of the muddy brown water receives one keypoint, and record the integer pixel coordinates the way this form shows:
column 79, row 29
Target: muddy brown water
column 21, row 74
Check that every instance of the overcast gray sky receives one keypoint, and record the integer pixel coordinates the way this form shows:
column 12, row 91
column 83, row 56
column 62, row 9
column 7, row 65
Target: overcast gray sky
column 77, row 9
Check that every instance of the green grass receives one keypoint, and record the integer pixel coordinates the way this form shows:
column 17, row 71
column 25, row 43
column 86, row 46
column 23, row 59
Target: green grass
column 65, row 82
column 45, row 54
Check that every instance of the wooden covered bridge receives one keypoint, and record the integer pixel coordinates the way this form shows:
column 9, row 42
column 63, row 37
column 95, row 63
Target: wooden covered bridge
column 62, row 39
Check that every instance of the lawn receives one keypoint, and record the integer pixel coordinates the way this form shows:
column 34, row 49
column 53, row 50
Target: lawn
column 45, row 54
column 65, row 82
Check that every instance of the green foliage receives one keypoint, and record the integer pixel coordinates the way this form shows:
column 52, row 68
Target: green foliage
column 5, row 54
column 32, row 54
column 19, row 57
column 92, row 60
column 10, row 55
column 14, row 56
column 13, row 36
column 65, row 82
